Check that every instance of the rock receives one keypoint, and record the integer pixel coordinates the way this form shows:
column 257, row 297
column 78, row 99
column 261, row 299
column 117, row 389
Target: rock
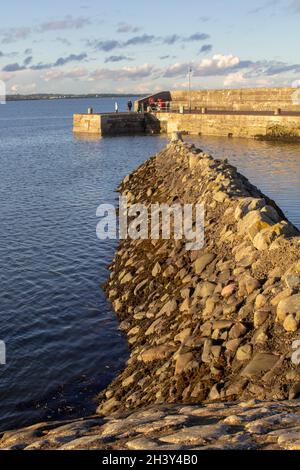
column 142, row 443
column 290, row 305
column 126, row 279
column 129, row 381
column 294, row 392
column 292, row 281
column 222, row 324
column 206, row 329
column 154, row 327
column 220, row 197
column 183, row 335
column 233, row 345
column 214, row 394
column 253, row 223
column 248, row 285
column 157, row 353
column 275, row 273
column 185, row 306
column 244, row 353
column 203, row 262
column 156, row 270
column 185, row 293
column 266, row 237
column 169, row 308
column 204, row 290
column 260, row 301
column 216, row 352
column 247, row 205
column 292, row 277
column 237, row 331
column 206, row 351
column 209, row 308
column 260, row 337
column 281, row 296
column 140, row 286
column 169, row 272
column 229, row 290
column 196, row 434
column 182, row 361
column 261, row 362
column 260, row 317
column 291, row 323
column 124, row 326
column 108, row 406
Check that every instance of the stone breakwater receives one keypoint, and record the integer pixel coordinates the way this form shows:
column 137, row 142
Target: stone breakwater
column 206, row 328
column 211, row 325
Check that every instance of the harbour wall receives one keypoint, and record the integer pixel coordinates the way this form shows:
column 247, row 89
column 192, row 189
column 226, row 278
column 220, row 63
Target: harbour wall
column 232, row 125
column 245, row 99
column 266, row 112
column 115, row 124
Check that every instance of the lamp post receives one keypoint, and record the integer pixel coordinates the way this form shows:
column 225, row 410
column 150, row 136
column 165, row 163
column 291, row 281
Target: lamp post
column 190, row 88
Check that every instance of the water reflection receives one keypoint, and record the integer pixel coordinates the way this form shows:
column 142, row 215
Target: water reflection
column 273, row 167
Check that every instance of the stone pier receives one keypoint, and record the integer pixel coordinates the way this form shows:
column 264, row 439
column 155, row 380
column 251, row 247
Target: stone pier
column 115, row 124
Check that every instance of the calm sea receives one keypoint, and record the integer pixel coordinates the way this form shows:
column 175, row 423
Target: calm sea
column 63, row 344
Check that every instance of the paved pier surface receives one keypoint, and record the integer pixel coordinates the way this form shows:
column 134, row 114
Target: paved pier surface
column 244, row 426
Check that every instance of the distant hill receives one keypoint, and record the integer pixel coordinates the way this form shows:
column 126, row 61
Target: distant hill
column 46, row 96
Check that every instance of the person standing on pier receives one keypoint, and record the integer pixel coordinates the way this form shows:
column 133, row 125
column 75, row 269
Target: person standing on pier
column 116, row 107
column 129, row 106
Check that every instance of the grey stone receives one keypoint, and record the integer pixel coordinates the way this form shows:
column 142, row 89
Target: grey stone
column 262, row 362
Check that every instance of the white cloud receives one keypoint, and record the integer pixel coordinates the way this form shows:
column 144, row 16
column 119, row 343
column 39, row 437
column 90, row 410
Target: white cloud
column 69, row 22
column 129, row 73
column 236, row 78
column 51, row 75
column 216, row 65
column 23, row 89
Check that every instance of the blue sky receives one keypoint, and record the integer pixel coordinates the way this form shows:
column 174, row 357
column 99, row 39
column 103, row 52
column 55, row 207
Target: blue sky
column 84, row 46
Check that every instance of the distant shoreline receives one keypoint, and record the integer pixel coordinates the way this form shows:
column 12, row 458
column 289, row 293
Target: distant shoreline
column 51, row 97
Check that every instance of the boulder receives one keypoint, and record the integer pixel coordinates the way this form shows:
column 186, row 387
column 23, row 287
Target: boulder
column 291, row 323
column 203, row 262
column 244, row 353
column 262, row 362
column 260, row 317
column 205, row 289
column 156, row 270
column 247, row 205
column 229, row 290
column 254, row 222
column 290, row 305
column 169, row 308
column 237, row 331
column 157, row 353
column 182, row 361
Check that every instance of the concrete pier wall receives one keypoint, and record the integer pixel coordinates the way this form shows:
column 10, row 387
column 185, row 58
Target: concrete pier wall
column 230, row 125
column 115, row 124
column 87, row 123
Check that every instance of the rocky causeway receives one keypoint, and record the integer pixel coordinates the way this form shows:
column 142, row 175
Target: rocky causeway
column 213, row 333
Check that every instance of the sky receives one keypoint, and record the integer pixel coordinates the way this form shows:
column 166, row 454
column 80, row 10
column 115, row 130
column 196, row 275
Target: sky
column 138, row 46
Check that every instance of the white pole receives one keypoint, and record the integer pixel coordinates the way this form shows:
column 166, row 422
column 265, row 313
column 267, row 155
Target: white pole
column 190, row 87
